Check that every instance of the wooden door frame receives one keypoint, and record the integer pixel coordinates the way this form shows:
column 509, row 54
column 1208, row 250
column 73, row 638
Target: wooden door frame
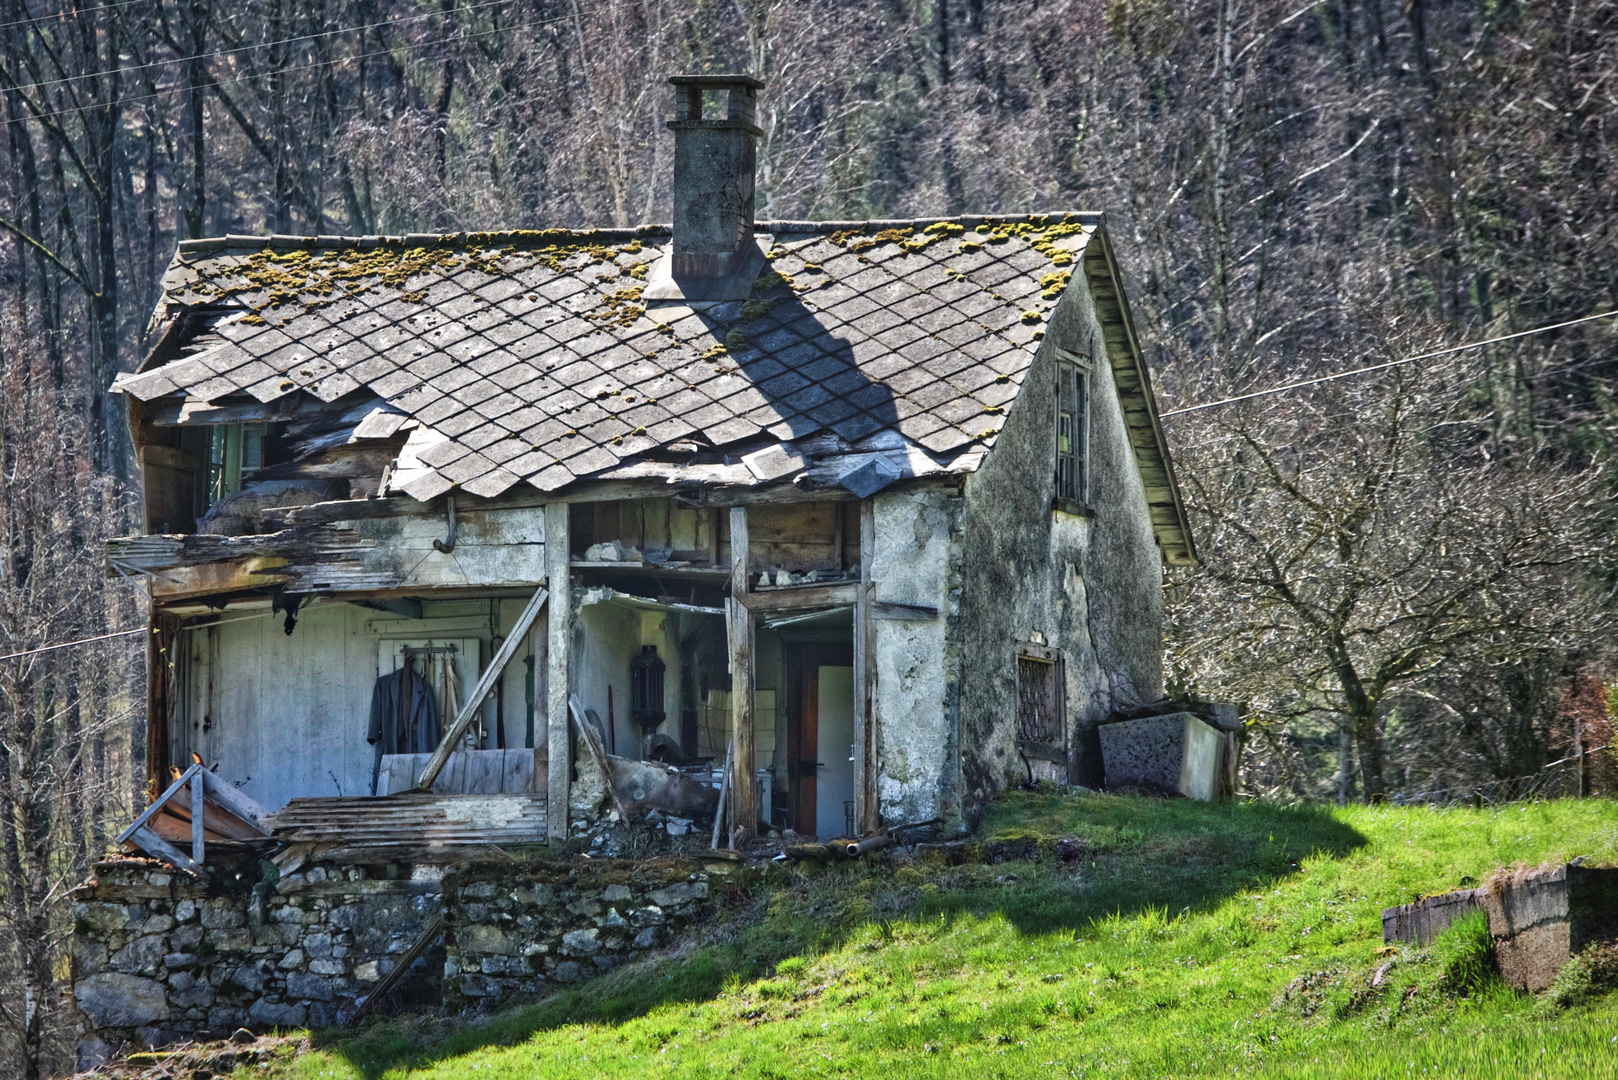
column 803, row 695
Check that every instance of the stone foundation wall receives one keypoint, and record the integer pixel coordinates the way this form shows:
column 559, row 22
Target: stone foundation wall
column 160, row 957
column 516, row 933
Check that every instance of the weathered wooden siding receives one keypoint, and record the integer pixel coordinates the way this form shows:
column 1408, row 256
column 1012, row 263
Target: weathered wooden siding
column 284, row 716
column 379, row 547
column 281, row 715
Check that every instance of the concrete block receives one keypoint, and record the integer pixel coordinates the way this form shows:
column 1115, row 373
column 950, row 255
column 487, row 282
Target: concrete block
column 1419, row 923
column 1541, row 918
column 1178, row 753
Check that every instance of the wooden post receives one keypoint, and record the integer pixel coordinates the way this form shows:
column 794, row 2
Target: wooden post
column 744, row 798
column 557, row 649
column 160, row 689
column 198, row 786
column 867, row 817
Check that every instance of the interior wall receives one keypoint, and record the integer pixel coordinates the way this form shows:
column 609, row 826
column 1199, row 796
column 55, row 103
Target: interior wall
column 285, row 716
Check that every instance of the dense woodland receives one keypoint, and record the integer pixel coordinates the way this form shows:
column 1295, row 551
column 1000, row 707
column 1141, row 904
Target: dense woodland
column 1407, row 575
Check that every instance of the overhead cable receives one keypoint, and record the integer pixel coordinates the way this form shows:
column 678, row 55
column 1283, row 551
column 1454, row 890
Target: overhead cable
column 80, row 641
column 1383, row 367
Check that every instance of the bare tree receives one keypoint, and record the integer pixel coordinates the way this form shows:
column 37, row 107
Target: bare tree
column 1356, row 558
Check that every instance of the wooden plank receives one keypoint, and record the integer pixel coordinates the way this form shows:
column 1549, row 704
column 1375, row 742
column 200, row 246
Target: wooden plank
column 893, row 609
column 232, row 798
column 484, row 772
column 591, row 738
column 519, row 772
column 149, row 842
column 497, row 667
column 170, row 458
column 557, row 650
column 157, row 804
column 866, row 809
column 740, row 620
column 797, row 598
column 198, row 812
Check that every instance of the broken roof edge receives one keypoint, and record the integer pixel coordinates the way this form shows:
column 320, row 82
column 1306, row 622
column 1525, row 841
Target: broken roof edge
column 518, row 237
column 1127, row 353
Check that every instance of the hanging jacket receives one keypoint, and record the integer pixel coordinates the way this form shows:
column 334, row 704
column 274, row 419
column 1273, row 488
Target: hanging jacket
column 404, row 717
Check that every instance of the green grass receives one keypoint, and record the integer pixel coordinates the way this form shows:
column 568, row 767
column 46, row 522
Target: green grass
column 1184, row 940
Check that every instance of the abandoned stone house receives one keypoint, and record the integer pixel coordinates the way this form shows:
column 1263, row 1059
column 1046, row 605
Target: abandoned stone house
column 846, row 524
column 878, row 509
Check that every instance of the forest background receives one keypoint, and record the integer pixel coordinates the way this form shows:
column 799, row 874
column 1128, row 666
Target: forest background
column 1407, row 575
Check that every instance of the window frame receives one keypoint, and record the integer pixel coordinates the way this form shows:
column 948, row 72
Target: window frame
column 1050, row 664
column 1071, row 399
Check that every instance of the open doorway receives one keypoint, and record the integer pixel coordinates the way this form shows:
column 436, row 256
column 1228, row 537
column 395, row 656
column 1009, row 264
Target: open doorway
column 820, row 737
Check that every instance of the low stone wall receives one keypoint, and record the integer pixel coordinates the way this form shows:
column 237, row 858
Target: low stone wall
column 513, row 934
column 160, row 957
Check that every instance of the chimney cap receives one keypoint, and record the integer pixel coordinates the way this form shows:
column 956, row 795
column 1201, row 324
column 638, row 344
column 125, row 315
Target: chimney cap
column 716, row 80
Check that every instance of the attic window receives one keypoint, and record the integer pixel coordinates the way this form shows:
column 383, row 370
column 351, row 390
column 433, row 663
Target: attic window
column 1072, row 436
column 234, row 451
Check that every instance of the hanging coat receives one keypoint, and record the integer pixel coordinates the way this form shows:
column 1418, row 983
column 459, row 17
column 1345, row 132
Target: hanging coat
column 404, row 717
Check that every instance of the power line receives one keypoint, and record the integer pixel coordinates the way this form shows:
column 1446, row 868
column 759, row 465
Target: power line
column 65, row 644
column 1384, row 367
column 256, row 45
column 127, row 633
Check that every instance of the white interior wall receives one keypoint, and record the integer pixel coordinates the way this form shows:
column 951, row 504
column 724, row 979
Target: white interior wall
column 284, row 716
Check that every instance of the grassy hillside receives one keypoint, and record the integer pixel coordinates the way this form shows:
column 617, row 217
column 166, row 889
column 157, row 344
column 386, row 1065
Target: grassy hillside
column 1177, row 939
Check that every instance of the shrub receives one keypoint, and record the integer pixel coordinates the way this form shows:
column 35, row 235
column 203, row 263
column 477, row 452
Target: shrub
column 1588, row 974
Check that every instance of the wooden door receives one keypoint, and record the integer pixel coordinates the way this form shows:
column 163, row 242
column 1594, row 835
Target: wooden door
column 817, row 765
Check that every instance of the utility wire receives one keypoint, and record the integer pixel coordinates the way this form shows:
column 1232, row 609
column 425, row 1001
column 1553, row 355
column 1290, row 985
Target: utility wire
column 259, row 45
column 1383, row 367
column 127, row 633
column 81, row 641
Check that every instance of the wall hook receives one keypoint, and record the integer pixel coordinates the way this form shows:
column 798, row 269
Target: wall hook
column 448, row 545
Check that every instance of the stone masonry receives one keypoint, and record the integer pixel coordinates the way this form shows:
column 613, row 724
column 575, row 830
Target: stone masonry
column 513, row 935
column 160, row 957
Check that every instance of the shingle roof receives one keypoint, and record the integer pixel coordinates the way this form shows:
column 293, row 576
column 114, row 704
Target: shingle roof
column 532, row 356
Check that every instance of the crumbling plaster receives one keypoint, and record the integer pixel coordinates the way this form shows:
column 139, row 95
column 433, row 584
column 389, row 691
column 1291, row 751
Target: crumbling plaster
column 913, row 706
column 1091, row 586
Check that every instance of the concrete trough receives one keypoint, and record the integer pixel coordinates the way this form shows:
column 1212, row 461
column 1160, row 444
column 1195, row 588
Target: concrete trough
column 1177, row 752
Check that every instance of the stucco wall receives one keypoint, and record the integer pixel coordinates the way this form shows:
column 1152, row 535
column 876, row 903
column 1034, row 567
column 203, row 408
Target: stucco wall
column 1092, row 587
column 916, row 554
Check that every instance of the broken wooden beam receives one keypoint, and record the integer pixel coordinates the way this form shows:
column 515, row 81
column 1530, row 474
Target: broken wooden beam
column 496, row 668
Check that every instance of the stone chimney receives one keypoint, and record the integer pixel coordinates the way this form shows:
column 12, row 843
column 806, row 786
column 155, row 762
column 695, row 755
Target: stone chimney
column 714, row 158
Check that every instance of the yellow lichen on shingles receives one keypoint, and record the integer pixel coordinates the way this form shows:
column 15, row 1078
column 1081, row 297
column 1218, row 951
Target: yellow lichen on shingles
column 315, row 277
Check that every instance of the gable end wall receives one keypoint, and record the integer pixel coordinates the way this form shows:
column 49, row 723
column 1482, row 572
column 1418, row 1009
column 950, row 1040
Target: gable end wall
column 1092, row 587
